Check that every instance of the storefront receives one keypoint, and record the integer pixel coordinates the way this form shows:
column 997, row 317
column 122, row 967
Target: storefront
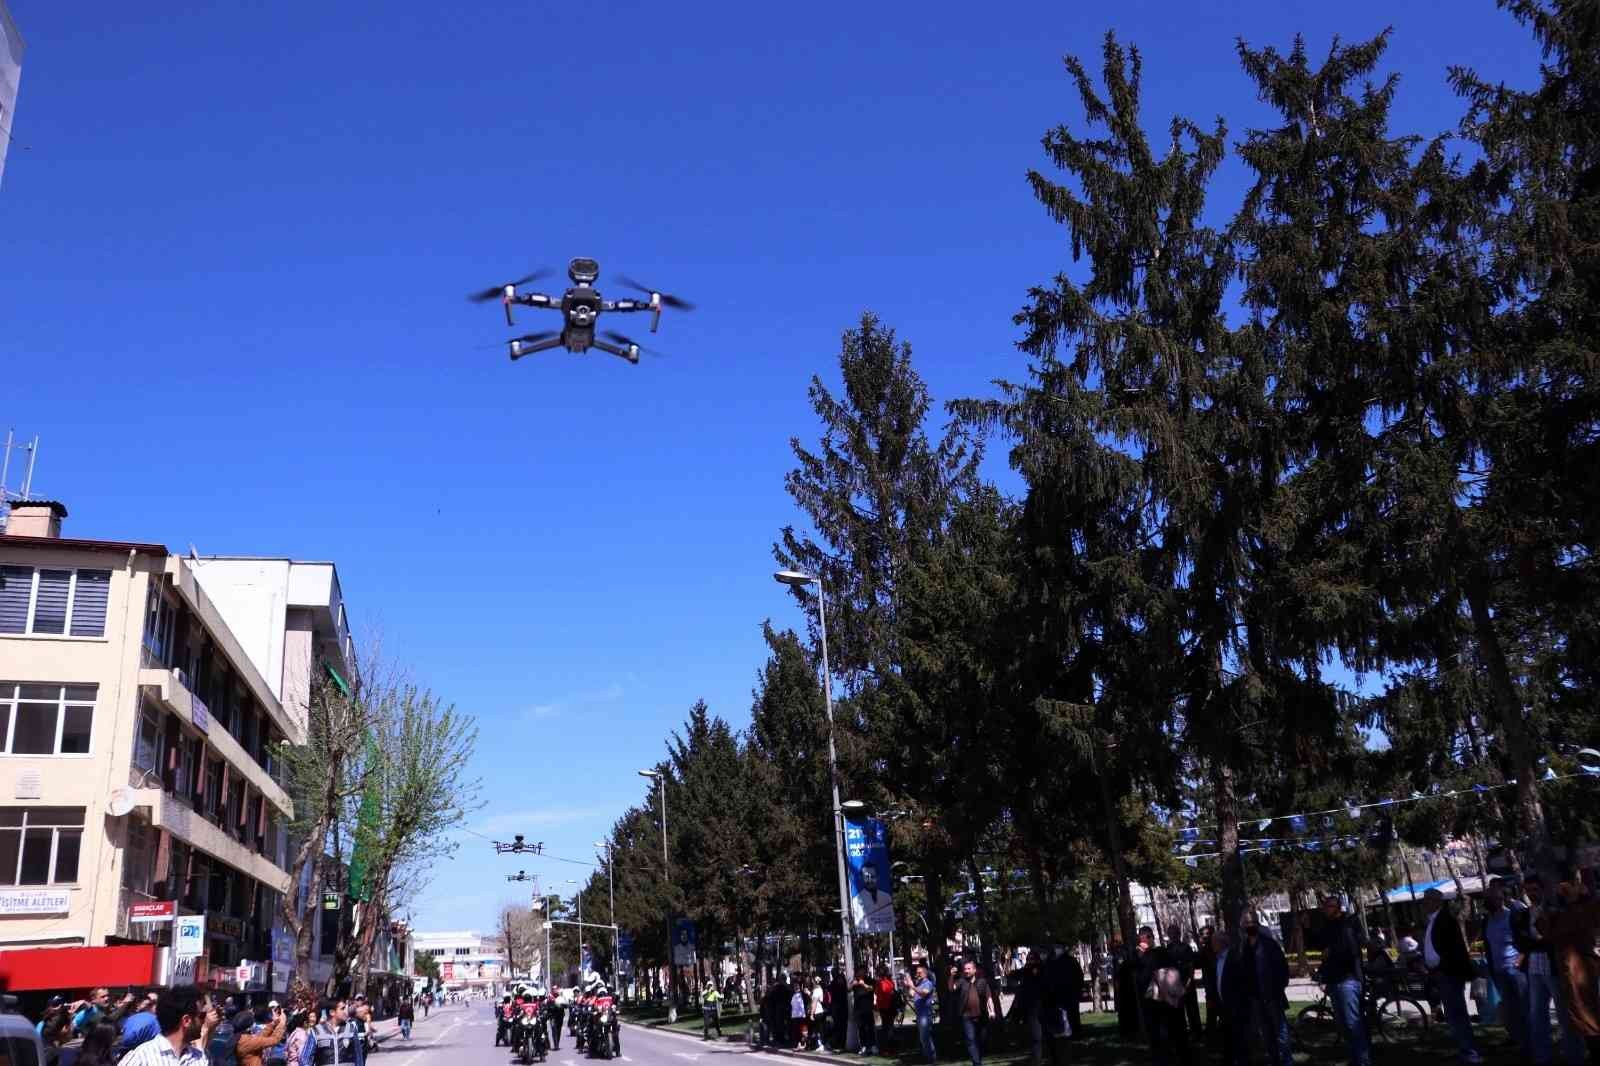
column 62, row 969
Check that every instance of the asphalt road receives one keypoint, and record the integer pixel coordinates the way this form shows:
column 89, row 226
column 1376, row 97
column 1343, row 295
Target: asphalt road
column 464, row 1036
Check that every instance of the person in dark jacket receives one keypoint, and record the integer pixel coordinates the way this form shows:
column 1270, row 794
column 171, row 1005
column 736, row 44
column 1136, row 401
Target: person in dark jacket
column 1232, row 1000
column 1445, row 954
column 971, row 997
column 1264, row 974
column 1186, row 959
column 221, row 1048
column 1064, row 981
column 1206, row 958
column 1125, row 977
column 838, row 1010
column 777, row 1012
column 1344, row 977
column 1165, row 1026
column 862, row 997
column 1028, row 1007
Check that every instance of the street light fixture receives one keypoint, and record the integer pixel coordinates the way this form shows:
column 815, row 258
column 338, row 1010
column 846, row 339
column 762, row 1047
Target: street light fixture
column 666, row 872
column 796, row 579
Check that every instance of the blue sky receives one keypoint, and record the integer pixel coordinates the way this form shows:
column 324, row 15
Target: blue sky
column 235, row 240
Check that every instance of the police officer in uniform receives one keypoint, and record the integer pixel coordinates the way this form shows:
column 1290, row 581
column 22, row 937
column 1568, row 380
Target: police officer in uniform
column 337, row 1041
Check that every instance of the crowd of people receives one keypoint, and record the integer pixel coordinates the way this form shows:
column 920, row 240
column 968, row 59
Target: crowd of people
column 819, row 1011
column 1538, row 967
column 153, row 1027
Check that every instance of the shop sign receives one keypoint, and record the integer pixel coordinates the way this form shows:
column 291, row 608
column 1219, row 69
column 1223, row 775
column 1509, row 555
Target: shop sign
column 189, row 937
column 153, row 911
column 35, row 901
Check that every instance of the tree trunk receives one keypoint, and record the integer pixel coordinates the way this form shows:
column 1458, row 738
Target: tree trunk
column 1388, row 915
column 1227, row 810
column 1126, row 918
column 1297, row 931
column 933, row 912
column 1531, row 826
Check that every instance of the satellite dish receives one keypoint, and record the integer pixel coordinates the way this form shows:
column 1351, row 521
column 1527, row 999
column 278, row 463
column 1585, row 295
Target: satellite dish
column 120, row 803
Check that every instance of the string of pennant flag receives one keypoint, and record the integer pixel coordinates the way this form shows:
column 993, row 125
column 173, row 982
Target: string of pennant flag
column 1308, row 821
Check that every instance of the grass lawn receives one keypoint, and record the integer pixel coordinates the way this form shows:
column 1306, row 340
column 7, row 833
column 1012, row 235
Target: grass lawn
column 1101, row 1045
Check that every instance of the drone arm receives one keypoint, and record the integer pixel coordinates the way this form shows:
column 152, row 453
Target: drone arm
column 653, row 305
column 522, row 348
column 629, row 352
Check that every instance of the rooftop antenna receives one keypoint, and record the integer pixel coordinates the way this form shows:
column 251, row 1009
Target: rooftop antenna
column 7, row 494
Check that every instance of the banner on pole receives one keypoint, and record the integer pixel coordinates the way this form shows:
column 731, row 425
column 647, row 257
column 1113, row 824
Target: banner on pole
column 683, row 942
column 866, row 849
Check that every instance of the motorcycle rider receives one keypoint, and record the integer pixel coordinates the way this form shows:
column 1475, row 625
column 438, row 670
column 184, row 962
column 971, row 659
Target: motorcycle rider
column 604, row 1031
column 503, row 1016
column 552, row 1016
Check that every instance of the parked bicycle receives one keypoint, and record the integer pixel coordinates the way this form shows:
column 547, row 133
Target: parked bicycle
column 1395, row 1009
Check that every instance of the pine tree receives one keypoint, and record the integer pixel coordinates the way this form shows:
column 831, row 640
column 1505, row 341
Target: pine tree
column 879, row 493
column 1529, row 568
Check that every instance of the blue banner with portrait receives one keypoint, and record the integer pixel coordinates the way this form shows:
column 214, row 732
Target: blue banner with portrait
column 683, row 942
column 866, row 849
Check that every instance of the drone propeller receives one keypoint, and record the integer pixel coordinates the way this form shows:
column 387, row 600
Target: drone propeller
column 667, row 301
column 618, row 338
column 499, row 290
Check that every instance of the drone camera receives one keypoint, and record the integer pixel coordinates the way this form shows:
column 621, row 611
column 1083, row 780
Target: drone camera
column 583, row 271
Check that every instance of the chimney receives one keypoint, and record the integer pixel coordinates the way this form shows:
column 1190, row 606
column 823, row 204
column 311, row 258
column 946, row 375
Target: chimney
column 36, row 518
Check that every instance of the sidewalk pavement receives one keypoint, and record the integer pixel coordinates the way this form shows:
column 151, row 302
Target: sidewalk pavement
column 810, row 1056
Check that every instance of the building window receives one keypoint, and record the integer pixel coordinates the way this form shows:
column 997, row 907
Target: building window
column 137, row 859
column 213, row 799
column 45, row 719
column 147, row 745
column 39, row 601
column 40, row 845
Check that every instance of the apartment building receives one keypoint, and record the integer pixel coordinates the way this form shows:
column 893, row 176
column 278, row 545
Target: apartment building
column 466, row 960
column 139, row 747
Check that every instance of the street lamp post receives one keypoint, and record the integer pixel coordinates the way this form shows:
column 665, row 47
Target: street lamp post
column 611, row 889
column 666, row 874
column 578, row 892
column 796, row 579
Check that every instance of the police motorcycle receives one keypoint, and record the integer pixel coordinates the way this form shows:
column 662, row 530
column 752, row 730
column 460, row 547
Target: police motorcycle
column 502, row 1020
column 605, row 1029
column 529, row 1039
column 578, row 1020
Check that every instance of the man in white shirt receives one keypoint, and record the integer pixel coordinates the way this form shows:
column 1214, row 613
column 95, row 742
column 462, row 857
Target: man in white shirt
column 186, row 1017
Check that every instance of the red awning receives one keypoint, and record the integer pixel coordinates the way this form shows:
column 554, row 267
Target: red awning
column 39, row 969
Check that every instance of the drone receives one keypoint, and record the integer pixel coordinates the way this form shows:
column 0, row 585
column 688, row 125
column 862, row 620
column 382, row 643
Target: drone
column 581, row 307
column 520, row 875
column 518, row 846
